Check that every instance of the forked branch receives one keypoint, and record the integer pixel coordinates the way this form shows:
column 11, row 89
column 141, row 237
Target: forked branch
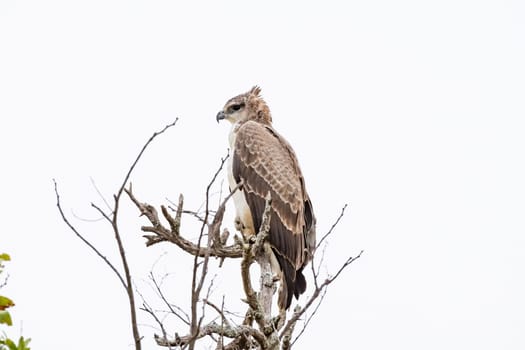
column 112, row 218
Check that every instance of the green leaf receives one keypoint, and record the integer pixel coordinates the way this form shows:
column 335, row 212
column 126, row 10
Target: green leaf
column 23, row 343
column 5, row 318
column 5, row 257
column 5, row 302
column 10, row 344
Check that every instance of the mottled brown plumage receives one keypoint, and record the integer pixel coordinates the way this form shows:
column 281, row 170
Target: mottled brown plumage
column 266, row 163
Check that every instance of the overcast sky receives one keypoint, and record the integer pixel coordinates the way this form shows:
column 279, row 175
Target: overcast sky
column 411, row 112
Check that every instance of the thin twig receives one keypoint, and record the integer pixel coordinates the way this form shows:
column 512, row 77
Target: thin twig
column 101, row 212
column 170, row 307
column 155, row 134
column 79, row 235
column 196, row 286
column 316, row 294
column 145, row 307
column 333, row 226
column 215, row 226
column 220, row 311
column 321, row 298
column 316, row 271
column 99, row 193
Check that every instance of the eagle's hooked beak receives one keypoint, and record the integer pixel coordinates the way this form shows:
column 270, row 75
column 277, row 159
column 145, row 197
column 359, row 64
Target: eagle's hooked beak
column 220, row 116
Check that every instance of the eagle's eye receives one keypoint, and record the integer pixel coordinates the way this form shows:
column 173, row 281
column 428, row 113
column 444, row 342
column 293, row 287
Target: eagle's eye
column 236, row 107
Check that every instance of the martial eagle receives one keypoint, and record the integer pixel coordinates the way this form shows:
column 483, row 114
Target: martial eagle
column 266, row 163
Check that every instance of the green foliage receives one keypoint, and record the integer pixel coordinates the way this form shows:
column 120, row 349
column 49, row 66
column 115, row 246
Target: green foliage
column 5, row 318
column 8, row 344
column 5, row 302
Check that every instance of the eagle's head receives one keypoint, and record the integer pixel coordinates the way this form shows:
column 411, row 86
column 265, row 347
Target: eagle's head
column 247, row 106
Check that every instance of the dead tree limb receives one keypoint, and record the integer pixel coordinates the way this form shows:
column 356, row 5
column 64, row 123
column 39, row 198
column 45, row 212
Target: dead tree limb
column 112, row 218
column 215, row 328
column 160, row 233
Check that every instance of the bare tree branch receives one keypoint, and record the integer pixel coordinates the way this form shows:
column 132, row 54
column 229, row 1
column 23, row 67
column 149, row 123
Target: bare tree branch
column 86, row 242
column 316, row 294
column 173, row 235
column 177, row 312
column 220, row 311
column 99, row 193
column 126, row 280
column 155, row 134
column 260, row 304
column 197, row 285
column 104, row 215
column 195, row 291
column 220, row 344
column 122, row 251
column 215, row 328
column 286, row 344
column 319, row 302
column 145, row 307
column 333, row 226
column 215, row 226
column 250, row 250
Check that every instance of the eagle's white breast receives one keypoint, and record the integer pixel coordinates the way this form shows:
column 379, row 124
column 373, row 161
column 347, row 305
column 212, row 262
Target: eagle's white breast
column 241, row 206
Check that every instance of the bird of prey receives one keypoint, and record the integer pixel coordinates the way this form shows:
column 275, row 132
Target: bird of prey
column 266, row 164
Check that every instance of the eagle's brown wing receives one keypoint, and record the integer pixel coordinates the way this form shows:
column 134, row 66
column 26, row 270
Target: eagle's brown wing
column 266, row 163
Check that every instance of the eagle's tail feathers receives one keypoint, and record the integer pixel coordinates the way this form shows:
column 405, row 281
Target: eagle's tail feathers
column 300, row 283
column 289, row 283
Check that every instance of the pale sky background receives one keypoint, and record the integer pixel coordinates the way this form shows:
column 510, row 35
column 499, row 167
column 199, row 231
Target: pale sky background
column 411, row 112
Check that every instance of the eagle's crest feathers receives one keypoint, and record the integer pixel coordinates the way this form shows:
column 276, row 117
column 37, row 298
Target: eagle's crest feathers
column 256, row 90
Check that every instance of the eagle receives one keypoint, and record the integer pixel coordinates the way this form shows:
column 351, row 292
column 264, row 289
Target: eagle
column 263, row 162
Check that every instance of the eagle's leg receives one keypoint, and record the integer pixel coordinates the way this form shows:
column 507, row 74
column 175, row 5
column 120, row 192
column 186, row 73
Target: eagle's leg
column 238, row 224
column 246, row 232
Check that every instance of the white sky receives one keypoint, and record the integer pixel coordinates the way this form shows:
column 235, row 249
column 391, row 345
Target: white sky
column 411, row 112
